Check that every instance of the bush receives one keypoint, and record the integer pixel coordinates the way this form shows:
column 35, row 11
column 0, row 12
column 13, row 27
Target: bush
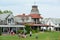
column 35, row 31
column 0, row 31
column 19, row 31
column 27, row 28
column 48, row 30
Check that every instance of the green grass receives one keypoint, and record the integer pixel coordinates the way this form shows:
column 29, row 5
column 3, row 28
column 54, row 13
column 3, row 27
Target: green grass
column 41, row 36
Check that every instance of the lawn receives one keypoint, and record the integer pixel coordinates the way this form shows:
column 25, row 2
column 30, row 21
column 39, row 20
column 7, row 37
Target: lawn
column 41, row 36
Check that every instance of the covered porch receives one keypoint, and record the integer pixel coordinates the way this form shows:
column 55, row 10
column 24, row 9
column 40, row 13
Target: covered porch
column 6, row 29
column 42, row 27
column 38, row 26
column 57, row 28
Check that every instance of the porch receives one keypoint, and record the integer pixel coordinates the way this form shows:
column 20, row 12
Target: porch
column 57, row 28
column 42, row 27
column 6, row 29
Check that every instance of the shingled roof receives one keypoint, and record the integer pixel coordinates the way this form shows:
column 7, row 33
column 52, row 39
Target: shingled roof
column 4, row 16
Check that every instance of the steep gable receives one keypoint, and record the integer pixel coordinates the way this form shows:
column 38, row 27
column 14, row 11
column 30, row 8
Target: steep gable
column 4, row 16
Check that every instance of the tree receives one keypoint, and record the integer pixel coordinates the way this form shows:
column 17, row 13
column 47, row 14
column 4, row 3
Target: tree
column 27, row 28
column 7, row 11
column 1, row 12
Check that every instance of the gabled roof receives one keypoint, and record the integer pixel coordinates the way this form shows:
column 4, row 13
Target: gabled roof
column 11, row 16
column 23, row 15
column 35, row 15
column 4, row 16
column 30, row 15
column 54, row 20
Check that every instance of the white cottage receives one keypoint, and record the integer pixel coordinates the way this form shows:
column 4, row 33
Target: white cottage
column 7, row 22
column 53, row 22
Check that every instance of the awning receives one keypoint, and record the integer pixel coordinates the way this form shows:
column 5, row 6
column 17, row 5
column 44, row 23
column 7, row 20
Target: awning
column 12, row 26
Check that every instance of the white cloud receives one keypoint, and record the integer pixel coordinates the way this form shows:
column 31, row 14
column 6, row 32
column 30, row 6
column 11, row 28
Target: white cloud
column 50, row 11
column 48, row 8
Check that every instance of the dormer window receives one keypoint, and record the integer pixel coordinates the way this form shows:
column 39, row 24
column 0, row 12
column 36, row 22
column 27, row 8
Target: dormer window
column 9, row 20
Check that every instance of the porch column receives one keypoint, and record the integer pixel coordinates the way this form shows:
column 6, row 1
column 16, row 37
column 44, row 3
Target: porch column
column 9, row 30
column 36, row 21
column 43, row 29
column 58, row 29
column 3, row 29
column 16, row 29
column 38, row 28
column 46, row 28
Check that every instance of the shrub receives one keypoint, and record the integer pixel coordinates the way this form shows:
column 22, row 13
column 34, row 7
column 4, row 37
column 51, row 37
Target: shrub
column 27, row 28
column 35, row 31
column 19, row 31
column 47, row 30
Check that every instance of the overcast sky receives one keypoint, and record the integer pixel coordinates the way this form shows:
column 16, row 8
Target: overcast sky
column 47, row 8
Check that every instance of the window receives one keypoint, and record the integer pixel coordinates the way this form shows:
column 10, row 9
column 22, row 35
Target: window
column 1, row 22
column 9, row 20
column 22, row 18
column 27, row 18
column 12, row 19
column 59, row 24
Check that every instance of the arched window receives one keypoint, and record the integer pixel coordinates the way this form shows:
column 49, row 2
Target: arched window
column 9, row 20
